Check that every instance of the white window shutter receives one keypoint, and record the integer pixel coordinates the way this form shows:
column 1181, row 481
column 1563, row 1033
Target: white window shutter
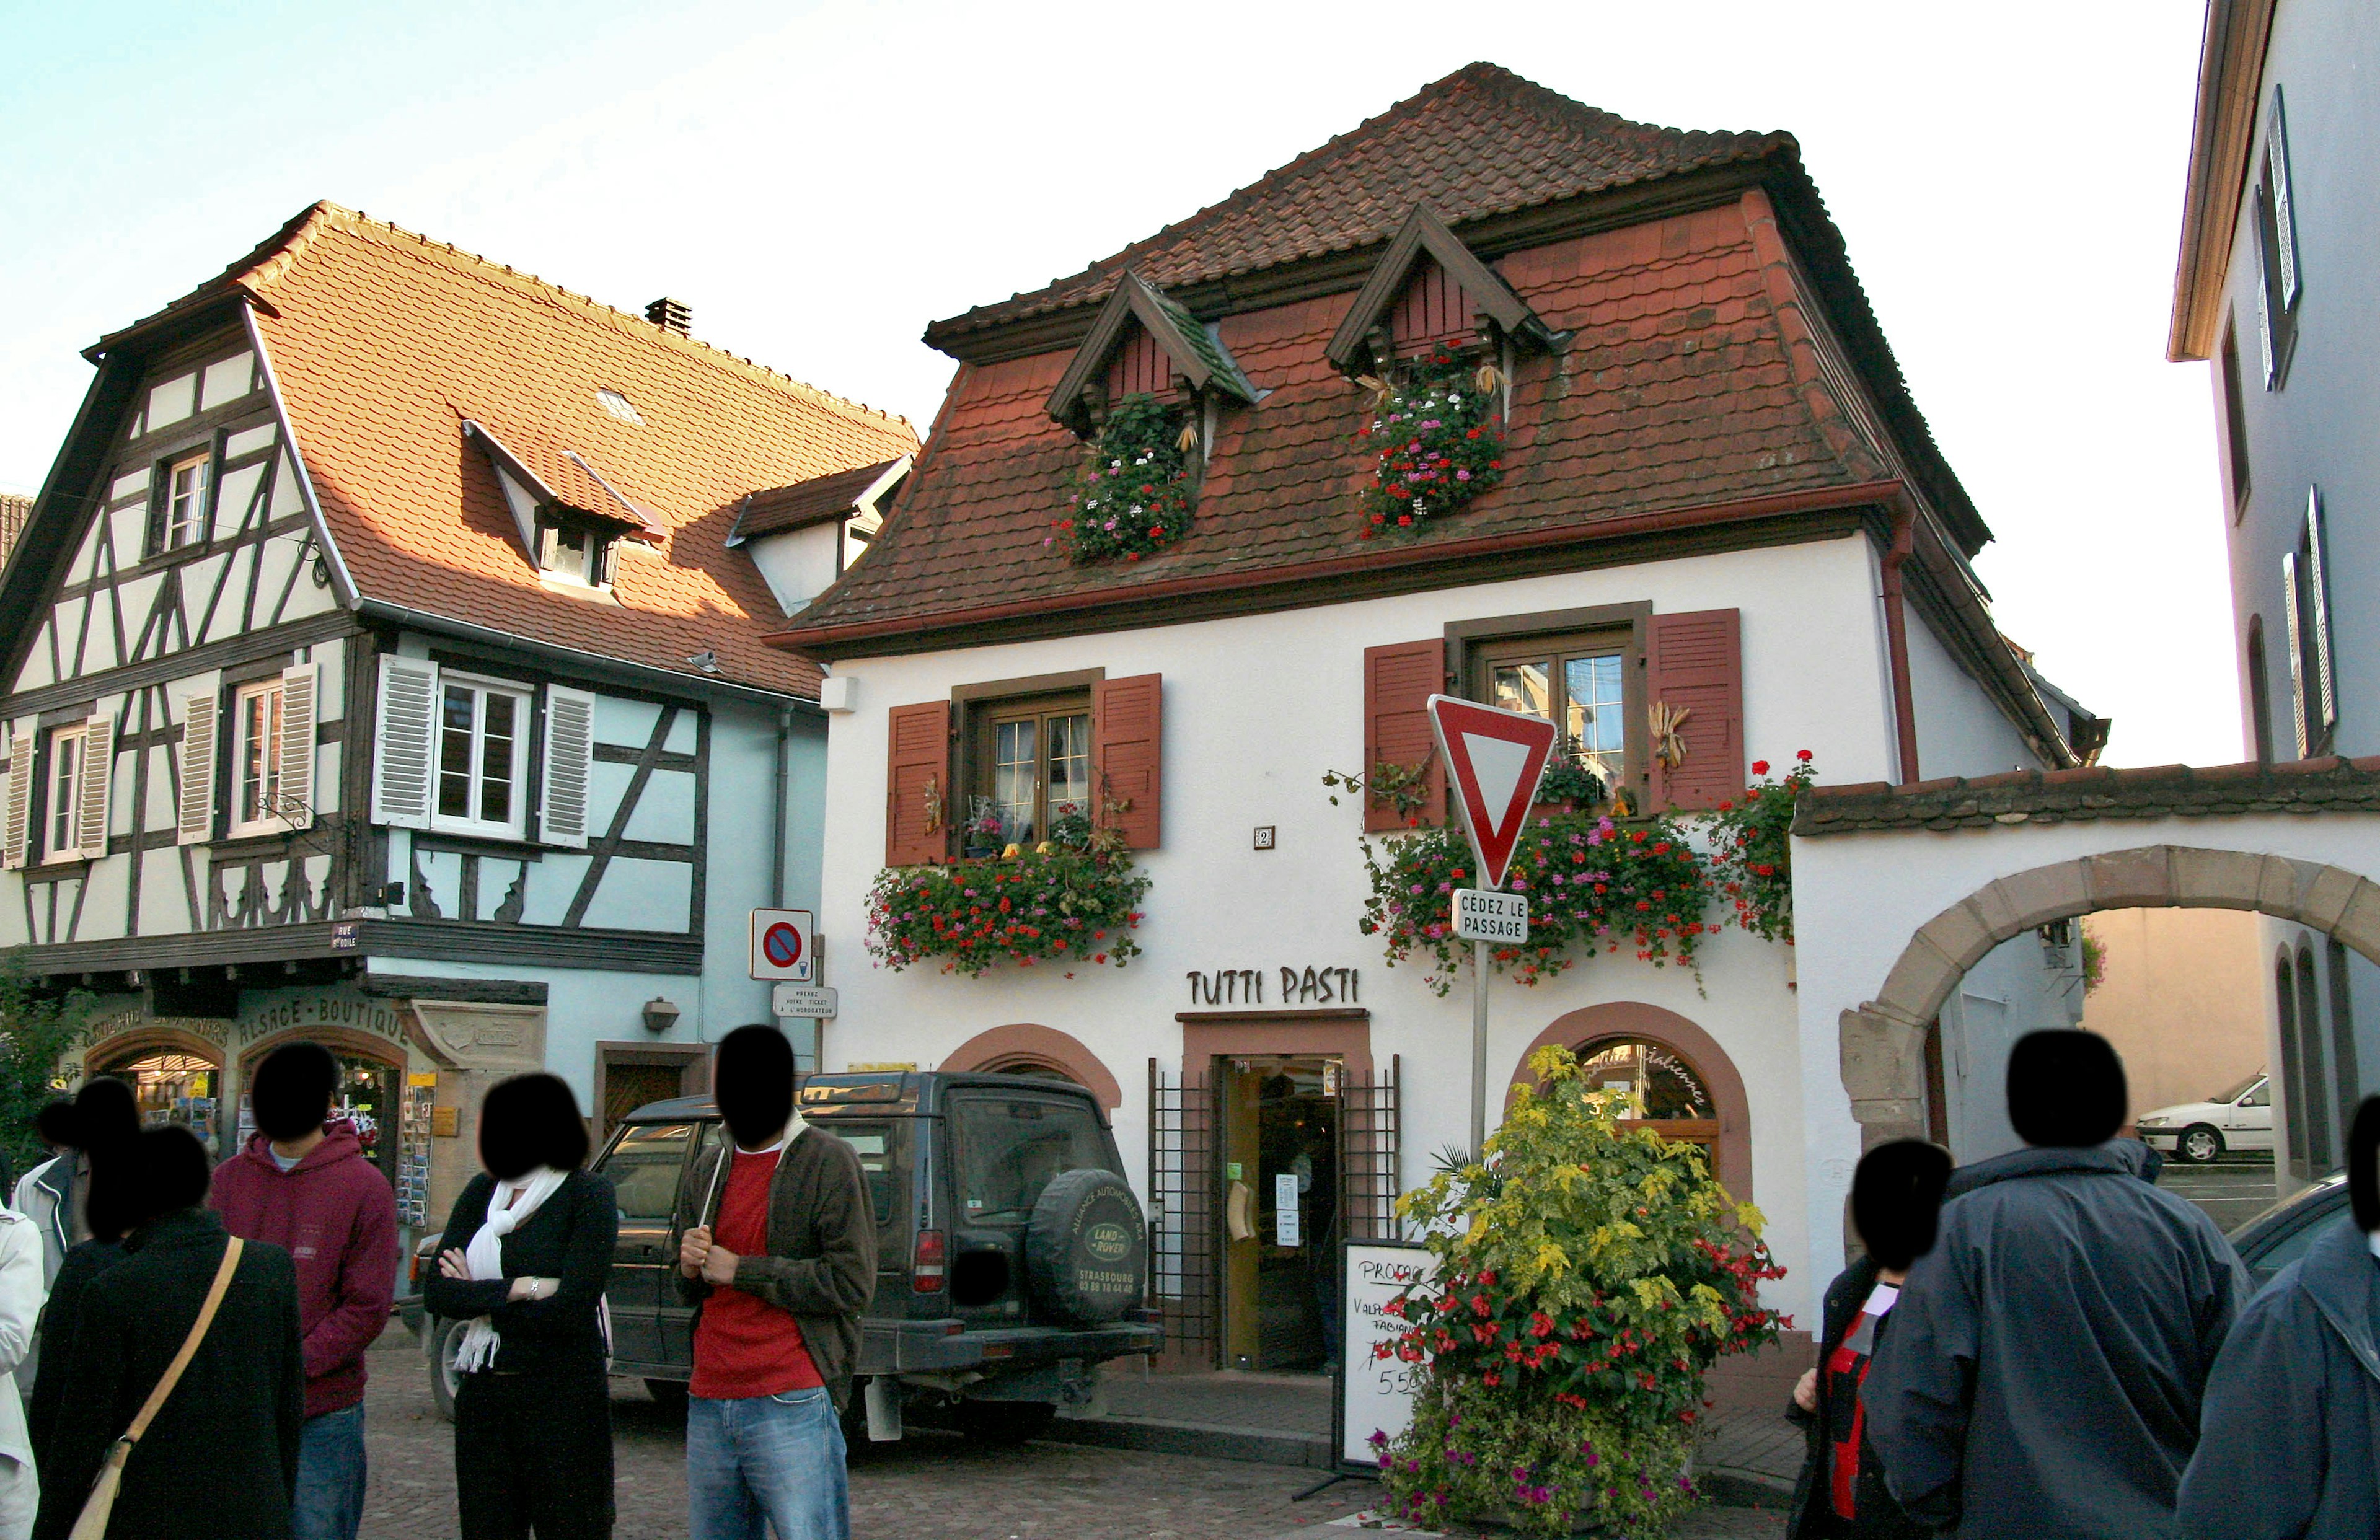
column 194, row 819
column 98, row 775
column 2297, row 647
column 405, row 753
column 295, row 763
column 18, row 827
column 569, row 759
column 2324, row 696
column 2285, row 212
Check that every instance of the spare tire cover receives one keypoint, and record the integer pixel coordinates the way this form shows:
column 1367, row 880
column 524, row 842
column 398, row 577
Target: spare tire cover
column 1087, row 1249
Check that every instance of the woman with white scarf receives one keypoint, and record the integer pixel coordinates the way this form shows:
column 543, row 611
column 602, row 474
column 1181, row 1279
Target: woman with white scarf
column 523, row 1259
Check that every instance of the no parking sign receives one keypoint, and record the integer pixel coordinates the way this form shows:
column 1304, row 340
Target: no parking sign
column 785, row 945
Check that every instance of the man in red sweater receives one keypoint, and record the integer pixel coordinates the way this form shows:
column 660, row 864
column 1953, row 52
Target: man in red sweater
column 308, row 1189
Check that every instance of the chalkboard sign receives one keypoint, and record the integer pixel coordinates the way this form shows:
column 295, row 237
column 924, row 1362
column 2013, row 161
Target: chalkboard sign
column 1375, row 1394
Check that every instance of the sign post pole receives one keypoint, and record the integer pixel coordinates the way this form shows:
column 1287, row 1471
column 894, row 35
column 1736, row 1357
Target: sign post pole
column 1478, row 1048
column 1494, row 760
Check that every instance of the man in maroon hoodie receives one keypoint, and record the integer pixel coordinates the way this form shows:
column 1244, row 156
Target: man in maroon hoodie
column 308, row 1189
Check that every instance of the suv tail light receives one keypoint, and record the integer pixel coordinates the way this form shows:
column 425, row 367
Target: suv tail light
column 926, row 1265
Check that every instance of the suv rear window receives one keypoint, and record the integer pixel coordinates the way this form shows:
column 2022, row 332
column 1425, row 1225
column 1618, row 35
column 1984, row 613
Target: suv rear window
column 644, row 1168
column 1009, row 1147
column 874, row 1144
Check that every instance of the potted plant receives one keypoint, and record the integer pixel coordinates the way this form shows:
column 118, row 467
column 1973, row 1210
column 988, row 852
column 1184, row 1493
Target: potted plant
column 1572, row 781
column 1589, row 1272
column 1752, row 849
column 981, row 835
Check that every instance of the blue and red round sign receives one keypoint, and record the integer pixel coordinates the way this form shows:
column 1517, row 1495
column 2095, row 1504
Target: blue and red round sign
column 782, row 944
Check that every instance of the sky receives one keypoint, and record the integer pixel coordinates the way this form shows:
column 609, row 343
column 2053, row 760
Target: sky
column 819, row 181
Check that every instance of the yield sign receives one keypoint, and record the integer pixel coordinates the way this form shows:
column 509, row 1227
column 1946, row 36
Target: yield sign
column 1495, row 758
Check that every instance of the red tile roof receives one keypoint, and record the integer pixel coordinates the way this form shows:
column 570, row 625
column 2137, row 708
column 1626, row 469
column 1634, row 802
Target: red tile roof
column 1693, row 381
column 383, row 342
column 1481, row 141
column 812, row 501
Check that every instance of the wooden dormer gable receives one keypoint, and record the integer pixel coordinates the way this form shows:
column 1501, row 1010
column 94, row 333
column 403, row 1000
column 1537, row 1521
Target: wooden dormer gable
column 1144, row 343
column 1428, row 289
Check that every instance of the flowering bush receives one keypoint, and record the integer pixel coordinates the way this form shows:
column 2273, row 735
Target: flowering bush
column 1752, row 849
column 1589, row 1272
column 1590, row 884
column 1439, row 441
column 1135, row 496
column 1052, row 902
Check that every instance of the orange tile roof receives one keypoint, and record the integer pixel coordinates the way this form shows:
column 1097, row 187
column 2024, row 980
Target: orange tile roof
column 383, row 342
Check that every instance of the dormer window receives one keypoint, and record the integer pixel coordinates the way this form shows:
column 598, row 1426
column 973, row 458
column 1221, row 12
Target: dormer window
column 574, row 552
column 1143, row 344
column 1430, row 293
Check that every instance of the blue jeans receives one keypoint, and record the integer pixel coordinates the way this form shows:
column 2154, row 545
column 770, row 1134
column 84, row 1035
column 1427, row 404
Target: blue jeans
column 330, row 1503
column 772, row 1459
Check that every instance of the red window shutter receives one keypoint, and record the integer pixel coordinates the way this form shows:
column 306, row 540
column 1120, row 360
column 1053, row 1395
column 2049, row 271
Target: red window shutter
column 1127, row 744
column 917, row 785
column 1694, row 663
column 1397, row 682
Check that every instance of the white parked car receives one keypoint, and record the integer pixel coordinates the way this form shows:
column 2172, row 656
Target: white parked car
column 2241, row 1119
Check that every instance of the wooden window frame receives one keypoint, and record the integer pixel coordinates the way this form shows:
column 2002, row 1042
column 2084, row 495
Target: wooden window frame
column 1472, row 647
column 599, row 557
column 201, row 520
column 56, row 803
column 524, row 699
column 975, row 708
column 2235, row 421
column 986, row 718
column 267, row 821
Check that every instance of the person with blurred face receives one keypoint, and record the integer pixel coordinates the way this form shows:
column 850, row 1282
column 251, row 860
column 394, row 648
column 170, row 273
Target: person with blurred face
column 1896, row 1206
column 101, row 1126
column 525, row 1258
column 47, row 1194
column 304, row 1184
column 220, row 1460
column 2288, row 1446
column 2046, row 1359
column 780, row 1263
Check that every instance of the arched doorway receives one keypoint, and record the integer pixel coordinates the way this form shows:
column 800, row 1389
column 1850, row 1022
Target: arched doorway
column 1027, row 1047
column 369, row 1092
column 176, row 1078
column 1688, row 1085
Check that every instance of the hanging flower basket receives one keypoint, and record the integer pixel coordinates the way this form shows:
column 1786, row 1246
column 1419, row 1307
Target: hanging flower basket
column 1752, row 849
column 1050, row 904
column 1592, row 887
column 1135, row 496
column 1439, row 440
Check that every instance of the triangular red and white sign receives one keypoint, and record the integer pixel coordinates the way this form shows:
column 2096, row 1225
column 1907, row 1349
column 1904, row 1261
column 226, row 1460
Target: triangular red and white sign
column 1494, row 760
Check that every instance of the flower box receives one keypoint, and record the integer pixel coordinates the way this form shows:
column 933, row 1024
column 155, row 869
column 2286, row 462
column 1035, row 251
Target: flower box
column 1050, row 905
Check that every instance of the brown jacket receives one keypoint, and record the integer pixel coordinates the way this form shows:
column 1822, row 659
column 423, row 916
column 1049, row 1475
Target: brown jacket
column 820, row 1266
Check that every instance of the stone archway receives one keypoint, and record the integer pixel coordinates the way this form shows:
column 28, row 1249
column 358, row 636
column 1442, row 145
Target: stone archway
column 1021, row 1044
column 1883, row 1040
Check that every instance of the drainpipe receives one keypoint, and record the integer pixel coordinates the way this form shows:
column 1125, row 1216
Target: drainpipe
column 1896, row 633
column 784, row 800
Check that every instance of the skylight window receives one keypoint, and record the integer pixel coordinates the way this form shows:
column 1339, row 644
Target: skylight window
column 620, row 407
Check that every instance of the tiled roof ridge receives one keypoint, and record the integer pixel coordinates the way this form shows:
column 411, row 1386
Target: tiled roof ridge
column 1477, row 74
column 2091, row 793
column 362, row 226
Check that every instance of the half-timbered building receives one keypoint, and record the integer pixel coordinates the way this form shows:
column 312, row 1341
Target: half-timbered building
column 384, row 666
column 1723, row 532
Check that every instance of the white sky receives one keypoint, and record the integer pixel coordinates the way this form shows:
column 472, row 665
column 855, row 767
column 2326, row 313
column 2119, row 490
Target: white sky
column 2009, row 179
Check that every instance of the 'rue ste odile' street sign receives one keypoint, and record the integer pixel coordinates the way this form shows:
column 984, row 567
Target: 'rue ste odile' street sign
column 1494, row 760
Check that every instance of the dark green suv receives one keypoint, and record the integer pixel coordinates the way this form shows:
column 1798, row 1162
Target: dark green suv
column 1011, row 1257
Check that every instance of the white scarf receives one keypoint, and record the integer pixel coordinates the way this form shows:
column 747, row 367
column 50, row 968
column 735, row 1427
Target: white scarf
column 509, row 1207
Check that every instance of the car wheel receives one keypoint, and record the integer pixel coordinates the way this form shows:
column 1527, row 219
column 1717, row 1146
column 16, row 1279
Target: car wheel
column 668, row 1394
column 1006, row 1424
column 2199, row 1143
column 445, row 1378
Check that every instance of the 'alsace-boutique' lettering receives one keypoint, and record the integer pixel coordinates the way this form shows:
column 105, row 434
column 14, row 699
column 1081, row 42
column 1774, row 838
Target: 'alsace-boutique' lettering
column 1298, row 987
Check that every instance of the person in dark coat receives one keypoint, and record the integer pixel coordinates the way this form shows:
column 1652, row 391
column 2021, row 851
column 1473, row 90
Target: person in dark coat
column 220, row 1462
column 1896, row 1209
column 525, row 1258
column 2043, row 1371
column 2288, row 1446
column 102, row 1129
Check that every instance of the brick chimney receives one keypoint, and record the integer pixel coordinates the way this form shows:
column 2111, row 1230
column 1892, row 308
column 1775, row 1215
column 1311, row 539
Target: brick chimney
column 672, row 314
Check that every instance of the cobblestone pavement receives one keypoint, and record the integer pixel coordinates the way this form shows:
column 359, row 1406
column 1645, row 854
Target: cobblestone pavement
column 929, row 1487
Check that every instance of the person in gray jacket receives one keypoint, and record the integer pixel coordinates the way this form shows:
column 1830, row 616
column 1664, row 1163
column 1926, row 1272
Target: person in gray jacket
column 2044, row 1374
column 2289, row 1448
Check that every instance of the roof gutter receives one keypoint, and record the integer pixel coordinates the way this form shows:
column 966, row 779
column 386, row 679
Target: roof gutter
column 2231, row 80
column 1743, row 510
column 571, row 657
